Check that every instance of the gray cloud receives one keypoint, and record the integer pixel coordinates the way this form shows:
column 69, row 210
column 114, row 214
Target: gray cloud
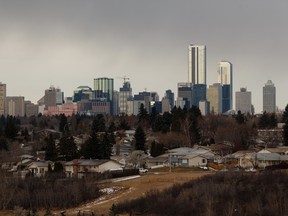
column 68, row 43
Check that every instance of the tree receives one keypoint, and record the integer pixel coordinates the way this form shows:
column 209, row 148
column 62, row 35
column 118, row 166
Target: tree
column 178, row 116
column 51, row 151
column 67, row 148
column 140, row 138
column 153, row 115
column 10, row 128
column 106, row 146
column 63, row 123
column 156, row 149
column 267, row 121
column 285, row 128
column 91, row 147
column 3, row 144
column 191, row 127
column 240, row 118
column 143, row 116
column 98, row 124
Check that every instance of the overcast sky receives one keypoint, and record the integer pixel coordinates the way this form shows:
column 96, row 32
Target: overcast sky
column 68, row 43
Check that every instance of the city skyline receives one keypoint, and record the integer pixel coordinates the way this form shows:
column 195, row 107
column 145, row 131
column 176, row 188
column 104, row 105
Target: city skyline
column 69, row 43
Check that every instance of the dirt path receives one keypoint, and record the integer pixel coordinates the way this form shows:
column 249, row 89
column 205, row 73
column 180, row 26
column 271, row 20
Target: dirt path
column 131, row 189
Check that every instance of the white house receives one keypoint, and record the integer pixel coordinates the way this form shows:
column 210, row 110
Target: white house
column 83, row 167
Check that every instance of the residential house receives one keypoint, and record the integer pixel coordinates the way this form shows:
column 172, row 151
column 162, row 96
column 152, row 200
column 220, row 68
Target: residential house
column 155, row 162
column 82, row 167
column 39, row 168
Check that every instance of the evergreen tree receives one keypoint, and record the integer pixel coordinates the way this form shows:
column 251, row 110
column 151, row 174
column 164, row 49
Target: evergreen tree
column 153, row 115
column 285, row 114
column 58, row 167
column 91, row 147
column 167, row 122
column 98, row 124
column 63, row 123
column 106, row 146
column 178, row 116
column 140, row 138
column 67, row 148
column 285, row 128
column 11, row 128
column 156, row 149
column 123, row 124
column 51, row 151
column 192, row 125
column 143, row 114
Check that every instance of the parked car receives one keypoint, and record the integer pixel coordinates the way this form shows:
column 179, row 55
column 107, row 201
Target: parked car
column 143, row 170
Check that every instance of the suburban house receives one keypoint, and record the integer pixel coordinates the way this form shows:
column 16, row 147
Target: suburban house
column 271, row 156
column 184, row 156
column 261, row 159
column 29, row 166
column 193, row 160
column 83, row 167
column 155, row 162
column 39, row 168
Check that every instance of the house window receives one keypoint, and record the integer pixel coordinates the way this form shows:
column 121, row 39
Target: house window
column 184, row 161
column 203, row 160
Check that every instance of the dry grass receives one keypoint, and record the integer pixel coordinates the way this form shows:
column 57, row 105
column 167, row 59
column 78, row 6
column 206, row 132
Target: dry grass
column 128, row 190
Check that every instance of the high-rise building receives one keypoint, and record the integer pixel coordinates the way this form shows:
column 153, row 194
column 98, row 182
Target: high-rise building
column 197, row 64
column 269, row 97
column 185, row 93
column 31, row 109
column 214, row 96
column 170, row 96
column 124, row 93
column 225, row 78
column 104, row 87
column 53, row 96
column 199, row 92
column 83, row 93
column 2, row 98
column 15, row 106
column 243, row 101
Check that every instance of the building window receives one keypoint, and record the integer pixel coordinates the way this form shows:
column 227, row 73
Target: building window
column 203, row 160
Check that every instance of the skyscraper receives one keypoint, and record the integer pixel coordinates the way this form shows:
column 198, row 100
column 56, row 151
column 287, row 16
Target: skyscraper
column 243, row 101
column 225, row 75
column 53, row 96
column 2, row 98
column 214, row 96
column 15, row 106
column 170, row 96
column 197, row 64
column 124, row 93
column 269, row 97
column 105, row 89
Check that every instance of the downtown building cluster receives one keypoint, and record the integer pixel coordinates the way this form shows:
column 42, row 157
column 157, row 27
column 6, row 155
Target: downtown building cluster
column 104, row 99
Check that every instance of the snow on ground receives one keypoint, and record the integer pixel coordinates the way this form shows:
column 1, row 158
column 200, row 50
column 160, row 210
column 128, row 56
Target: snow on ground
column 125, row 178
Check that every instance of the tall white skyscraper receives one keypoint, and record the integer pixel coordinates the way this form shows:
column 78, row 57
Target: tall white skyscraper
column 225, row 74
column 269, row 97
column 197, row 64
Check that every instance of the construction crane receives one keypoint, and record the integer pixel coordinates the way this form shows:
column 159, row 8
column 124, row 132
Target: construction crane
column 124, row 78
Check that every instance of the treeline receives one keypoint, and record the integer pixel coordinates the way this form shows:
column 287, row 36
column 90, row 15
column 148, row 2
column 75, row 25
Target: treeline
column 38, row 193
column 220, row 194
